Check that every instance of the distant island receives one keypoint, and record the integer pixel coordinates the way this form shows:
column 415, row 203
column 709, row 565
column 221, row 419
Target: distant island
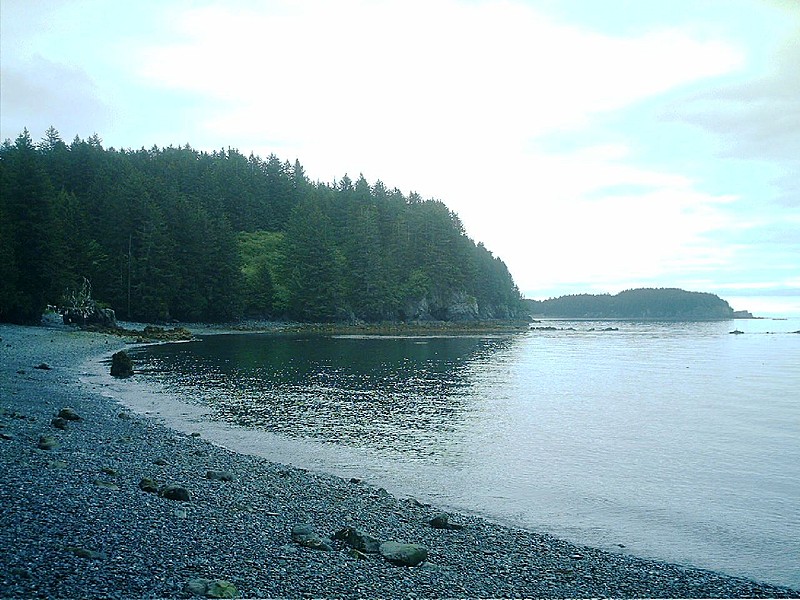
column 643, row 303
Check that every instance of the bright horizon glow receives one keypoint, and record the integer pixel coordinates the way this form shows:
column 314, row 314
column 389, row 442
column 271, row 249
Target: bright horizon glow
column 594, row 147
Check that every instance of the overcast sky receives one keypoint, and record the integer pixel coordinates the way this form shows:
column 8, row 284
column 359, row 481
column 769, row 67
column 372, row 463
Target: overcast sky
column 594, row 145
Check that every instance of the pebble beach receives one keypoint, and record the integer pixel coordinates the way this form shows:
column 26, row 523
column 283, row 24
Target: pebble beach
column 89, row 509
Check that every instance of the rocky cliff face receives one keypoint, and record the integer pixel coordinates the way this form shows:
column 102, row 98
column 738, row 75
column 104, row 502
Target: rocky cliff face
column 456, row 307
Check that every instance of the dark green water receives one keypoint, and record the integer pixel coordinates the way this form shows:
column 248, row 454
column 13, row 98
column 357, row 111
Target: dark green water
column 381, row 393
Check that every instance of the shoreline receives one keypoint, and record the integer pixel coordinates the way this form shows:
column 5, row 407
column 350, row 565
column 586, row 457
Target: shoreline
column 75, row 522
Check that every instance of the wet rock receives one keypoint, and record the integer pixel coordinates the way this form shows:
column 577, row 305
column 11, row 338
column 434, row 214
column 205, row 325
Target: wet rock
column 148, row 485
column 442, row 521
column 175, row 492
column 6, row 436
column 109, row 471
column 121, row 364
column 47, row 442
column 358, row 540
column 160, row 462
column 69, row 414
column 219, row 475
column 737, row 332
column 406, row 555
column 124, row 416
column 211, row 588
column 304, row 535
column 59, row 423
column 43, row 366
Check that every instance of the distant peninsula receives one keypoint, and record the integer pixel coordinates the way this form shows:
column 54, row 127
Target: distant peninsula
column 643, row 303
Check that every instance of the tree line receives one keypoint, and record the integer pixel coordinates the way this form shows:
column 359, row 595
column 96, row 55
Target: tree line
column 641, row 303
column 178, row 234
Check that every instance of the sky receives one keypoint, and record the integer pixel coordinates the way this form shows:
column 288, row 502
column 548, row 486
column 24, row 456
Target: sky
column 594, row 146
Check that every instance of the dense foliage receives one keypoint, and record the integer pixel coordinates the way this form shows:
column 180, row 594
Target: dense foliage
column 643, row 303
column 174, row 233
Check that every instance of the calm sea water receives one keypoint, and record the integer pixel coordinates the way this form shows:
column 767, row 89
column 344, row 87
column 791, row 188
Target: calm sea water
column 676, row 441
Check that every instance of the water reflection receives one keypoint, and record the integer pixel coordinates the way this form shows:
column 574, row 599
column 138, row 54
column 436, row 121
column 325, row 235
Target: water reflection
column 411, row 395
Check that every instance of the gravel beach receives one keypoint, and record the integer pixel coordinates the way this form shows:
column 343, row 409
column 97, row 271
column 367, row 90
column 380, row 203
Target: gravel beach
column 75, row 521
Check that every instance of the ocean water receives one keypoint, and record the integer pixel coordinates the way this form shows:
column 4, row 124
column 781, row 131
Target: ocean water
column 674, row 441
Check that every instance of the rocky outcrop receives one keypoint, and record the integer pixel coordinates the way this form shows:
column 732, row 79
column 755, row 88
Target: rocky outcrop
column 104, row 318
column 456, row 307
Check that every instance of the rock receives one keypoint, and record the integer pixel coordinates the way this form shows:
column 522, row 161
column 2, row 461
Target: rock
column 124, row 416
column 406, row 555
column 106, row 484
column 159, row 333
column 121, row 364
column 196, row 587
column 47, row 442
column 109, row 471
column 86, row 553
column 442, row 521
column 219, row 475
column 42, row 366
column 175, row 492
column 211, row 588
column 59, row 423
column 737, row 332
column 148, row 485
column 195, row 434
column 69, row 414
column 6, row 436
column 160, row 462
column 304, row 535
column 358, row 540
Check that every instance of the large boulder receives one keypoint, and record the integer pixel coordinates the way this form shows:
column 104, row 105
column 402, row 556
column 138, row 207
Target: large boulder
column 175, row 492
column 406, row 555
column 121, row 364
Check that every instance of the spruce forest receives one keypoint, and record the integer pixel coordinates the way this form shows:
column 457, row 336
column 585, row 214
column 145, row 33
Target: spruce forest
column 175, row 234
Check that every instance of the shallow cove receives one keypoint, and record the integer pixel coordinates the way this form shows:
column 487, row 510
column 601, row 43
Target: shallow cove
column 679, row 441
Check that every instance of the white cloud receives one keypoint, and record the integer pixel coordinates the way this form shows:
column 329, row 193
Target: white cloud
column 410, row 74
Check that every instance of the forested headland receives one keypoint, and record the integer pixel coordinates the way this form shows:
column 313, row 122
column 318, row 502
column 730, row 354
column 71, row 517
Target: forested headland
column 643, row 303
column 177, row 234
